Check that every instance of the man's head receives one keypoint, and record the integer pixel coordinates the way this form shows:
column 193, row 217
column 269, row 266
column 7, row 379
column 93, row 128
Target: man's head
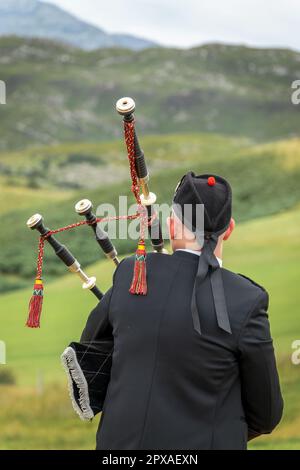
column 207, row 196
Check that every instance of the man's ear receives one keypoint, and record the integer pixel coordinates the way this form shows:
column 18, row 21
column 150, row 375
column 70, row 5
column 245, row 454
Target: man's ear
column 230, row 229
column 171, row 226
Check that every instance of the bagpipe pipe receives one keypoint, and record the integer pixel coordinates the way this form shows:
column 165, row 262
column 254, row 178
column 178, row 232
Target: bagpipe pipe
column 126, row 108
column 145, row 201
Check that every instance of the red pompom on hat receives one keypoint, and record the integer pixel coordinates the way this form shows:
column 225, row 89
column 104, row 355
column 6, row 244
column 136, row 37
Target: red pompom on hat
column 211, row 181
column 216, row 199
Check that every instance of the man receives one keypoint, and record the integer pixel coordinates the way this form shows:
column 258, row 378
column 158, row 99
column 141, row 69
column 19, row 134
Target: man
column 193, row 364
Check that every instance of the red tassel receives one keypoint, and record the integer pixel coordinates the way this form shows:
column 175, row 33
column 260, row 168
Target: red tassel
column 139, row 281
column 35, row 305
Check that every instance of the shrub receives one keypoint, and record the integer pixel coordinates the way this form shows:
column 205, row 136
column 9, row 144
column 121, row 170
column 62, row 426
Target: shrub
column 7, row 377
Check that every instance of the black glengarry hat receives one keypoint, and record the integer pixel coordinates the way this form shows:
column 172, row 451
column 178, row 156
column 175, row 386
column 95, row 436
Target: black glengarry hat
column 214, row 194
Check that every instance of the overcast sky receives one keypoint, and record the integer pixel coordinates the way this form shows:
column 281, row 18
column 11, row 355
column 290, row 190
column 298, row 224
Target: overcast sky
column 186, row 23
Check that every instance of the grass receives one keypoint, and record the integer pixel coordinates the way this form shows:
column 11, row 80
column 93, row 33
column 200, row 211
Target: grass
column 14, row 197
column 31, row 420
column 266, row 249
column 51, row 166
column 57, row 94
column 69, row 154
column 267, row 173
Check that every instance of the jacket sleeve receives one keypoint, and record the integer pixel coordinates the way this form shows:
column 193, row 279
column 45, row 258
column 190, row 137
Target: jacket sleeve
column 261, row 393
column 98, row 326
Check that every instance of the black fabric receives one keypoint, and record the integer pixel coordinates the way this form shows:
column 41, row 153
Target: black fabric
column 171, row 388
column 191, row 191
column 94, row 359
column 94, row 356
column 208, row 264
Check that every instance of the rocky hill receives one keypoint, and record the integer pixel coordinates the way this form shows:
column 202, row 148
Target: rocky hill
column 32, row 18
column 57, row 93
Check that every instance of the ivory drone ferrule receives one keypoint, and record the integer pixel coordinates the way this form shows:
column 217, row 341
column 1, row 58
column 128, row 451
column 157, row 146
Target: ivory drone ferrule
column 88, row 282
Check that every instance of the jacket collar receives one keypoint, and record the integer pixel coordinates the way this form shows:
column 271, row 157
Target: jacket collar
column 191, row 255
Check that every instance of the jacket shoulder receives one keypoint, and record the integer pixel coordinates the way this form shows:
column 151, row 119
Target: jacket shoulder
column 151, row 258
column 252, row 282
column 154, row 262
column 242, row 296
column 124, row 266
column 242, row 283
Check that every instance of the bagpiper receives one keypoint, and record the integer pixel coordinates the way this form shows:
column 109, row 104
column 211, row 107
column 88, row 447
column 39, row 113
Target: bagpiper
column 190, row 365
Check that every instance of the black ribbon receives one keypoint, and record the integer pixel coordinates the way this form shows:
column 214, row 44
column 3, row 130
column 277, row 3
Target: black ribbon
column 208, row 263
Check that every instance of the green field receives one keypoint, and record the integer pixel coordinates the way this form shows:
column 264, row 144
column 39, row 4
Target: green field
column 265, row 180
column 61, row 94
column 36, row 412
column 212, row 109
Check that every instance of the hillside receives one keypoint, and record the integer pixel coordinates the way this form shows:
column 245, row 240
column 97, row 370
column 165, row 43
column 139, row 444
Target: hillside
column 257, row 249
column 212, row 109
column 60, row 94
column 264, row 179
column 33, row 18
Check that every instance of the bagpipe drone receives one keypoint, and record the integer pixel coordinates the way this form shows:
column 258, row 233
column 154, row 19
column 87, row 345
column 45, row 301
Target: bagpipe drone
column 145, row 213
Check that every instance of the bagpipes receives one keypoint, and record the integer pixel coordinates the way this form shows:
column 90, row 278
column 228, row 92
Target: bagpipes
column 145, row 213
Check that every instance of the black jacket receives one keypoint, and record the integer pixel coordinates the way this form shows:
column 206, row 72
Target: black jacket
column 171, row 388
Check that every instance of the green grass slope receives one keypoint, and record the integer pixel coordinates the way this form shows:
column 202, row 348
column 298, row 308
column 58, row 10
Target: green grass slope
column 265, row 180
column 267, row 249
column 12, row 197
column 58, row 94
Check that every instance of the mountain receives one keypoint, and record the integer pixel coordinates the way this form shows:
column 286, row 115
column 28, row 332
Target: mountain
column 32, row 18
column 57, row 93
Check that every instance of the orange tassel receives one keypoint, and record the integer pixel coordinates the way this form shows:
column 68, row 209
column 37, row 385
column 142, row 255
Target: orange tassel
column 139, row 281
column 35, row 305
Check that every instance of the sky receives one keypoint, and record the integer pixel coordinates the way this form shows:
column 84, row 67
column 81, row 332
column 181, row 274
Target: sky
column 185, row 23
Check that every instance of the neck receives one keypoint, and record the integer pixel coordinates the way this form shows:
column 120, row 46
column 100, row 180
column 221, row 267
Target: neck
column 195, row 247
column 219, row 249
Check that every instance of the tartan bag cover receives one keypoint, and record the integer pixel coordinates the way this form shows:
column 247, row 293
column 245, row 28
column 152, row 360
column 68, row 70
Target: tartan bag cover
column 88, row 366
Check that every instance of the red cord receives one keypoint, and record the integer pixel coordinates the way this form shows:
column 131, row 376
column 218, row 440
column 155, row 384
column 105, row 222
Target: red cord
column 135, row 188
column 41, row 245
column 139, row 282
